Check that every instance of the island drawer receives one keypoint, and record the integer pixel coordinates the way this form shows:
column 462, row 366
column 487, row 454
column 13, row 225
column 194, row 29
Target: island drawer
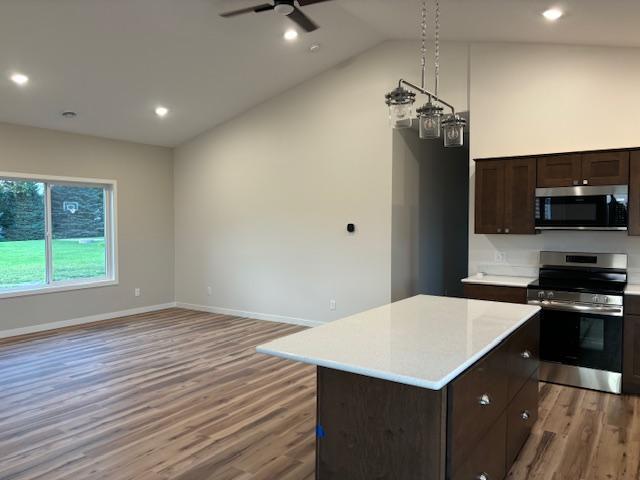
column 523, row 355
column 487, row 457
column 477, row 399
column 522, row 413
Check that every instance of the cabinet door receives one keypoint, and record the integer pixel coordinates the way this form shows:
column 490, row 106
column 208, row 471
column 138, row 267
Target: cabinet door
column 605, row 168
column 634, row 194
column 519, row 196
column 559, row 171
column 489, row 206
column 631, row 354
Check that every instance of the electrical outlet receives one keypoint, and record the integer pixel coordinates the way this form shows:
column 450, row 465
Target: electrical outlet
column 136, row 292
column 501, row 257
column 209, row 291
column 332, row 304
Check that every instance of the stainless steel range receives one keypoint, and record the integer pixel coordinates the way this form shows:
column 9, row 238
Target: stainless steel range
column 581, row 295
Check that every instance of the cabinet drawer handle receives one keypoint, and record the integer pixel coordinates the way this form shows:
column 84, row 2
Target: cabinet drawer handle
column 484, row 400
column 575, row 182
column 483, row 476
column 525, row 415
column 585, row 182
column 499, row 230
column 506, row 230
column 526, row 354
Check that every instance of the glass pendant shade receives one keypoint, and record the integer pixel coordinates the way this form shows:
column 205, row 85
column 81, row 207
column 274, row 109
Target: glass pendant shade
column 400, row 102
column 429, row 117
column 400, row 116
column 454, row 131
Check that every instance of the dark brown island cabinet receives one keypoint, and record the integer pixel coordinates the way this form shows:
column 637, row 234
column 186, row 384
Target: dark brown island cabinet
column 505, row 188
column 471, row 429
column 631, row 345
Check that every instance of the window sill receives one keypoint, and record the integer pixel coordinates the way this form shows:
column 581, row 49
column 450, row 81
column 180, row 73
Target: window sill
column 64, row 287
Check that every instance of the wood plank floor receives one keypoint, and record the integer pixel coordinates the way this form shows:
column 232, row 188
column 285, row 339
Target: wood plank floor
column 182, row 395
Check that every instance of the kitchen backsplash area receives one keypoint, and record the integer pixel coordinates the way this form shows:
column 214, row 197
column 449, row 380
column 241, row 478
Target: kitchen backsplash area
column 517, row 255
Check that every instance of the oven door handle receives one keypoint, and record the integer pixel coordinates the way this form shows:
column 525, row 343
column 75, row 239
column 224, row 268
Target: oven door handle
column 577, row 307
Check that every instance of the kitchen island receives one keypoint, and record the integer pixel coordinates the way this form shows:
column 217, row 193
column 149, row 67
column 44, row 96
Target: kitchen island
column 425, row 388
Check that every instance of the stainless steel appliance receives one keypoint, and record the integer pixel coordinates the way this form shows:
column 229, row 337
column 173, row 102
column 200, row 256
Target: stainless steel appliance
column 582, row 208
column 581, row 295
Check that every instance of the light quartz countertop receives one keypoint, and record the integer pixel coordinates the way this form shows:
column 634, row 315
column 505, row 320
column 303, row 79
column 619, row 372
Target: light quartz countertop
column 632, row 289
column 499, row 280
column 424, row 341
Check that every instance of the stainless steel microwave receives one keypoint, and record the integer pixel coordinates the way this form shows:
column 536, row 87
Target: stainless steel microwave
column 582, row 208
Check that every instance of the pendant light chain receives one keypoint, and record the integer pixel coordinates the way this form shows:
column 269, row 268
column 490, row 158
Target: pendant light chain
column 423, row 48
column 437, row 52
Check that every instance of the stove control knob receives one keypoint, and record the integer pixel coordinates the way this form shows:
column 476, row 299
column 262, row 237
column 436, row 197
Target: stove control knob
column 605, row 299
column 549, row 295
column 541, row 295
column 595, row 299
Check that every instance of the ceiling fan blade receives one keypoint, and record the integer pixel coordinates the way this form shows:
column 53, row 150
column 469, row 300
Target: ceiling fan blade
column 304, row 3
column 257, row 8
column 302, row 20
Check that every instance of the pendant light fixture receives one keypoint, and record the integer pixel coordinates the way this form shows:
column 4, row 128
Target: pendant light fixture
column 400, row 100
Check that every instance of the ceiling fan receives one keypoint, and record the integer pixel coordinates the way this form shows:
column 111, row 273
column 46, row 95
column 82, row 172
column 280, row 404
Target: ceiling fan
column 282, row 7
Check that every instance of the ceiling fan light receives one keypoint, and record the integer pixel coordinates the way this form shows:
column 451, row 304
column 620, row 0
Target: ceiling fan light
column 283, row 8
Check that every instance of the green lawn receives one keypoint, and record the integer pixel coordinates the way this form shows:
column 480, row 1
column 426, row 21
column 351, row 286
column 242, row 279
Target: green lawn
column 23, row 263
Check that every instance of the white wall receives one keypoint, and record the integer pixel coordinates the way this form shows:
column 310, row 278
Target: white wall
column 262, row 202
column 145, row 220
column 529, row 99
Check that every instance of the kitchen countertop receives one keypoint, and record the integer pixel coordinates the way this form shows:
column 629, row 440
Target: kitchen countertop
column 632, row 289
column 424, row 341
column 499, row 280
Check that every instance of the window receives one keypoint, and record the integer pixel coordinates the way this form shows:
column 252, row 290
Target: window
column 55, row 233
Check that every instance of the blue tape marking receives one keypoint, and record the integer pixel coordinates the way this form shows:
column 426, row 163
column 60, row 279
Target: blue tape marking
column 320, row 431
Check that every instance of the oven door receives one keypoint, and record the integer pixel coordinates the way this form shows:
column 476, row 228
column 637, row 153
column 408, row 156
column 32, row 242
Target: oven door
column 582, row 339
column 596, row 208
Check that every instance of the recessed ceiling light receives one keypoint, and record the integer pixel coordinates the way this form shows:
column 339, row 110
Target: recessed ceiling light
column 314, row 48
column 552, row 14
column 290, row 34
column 69, row 114
column 19, row 79
column 162, row 111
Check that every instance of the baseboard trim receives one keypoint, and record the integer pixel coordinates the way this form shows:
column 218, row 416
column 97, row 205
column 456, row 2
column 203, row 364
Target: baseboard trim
column 253, row 315
column 16, row 332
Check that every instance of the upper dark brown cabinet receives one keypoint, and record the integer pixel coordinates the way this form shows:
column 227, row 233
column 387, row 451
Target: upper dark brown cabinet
column 505, row 195
column 519, row 195
column 605, row 168
column 489, row 196
column 559, row 171
column 595, row 168
column 634, row 193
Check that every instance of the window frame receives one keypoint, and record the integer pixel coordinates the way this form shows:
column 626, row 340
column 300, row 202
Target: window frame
column 110, row 235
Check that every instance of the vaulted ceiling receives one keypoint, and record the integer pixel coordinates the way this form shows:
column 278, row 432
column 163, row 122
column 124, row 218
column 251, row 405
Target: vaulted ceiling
column 114, row 61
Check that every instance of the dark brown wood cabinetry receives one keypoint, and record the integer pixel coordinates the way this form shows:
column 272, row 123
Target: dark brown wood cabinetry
column 373, row 428
column 634, row 193
column 489, row 217
column 631, row 345
column 593, row 168
column 506, row 187
column 559, row 171
column 505, row 195
column 519, row 195
column 495, row 293
column 605, row 168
